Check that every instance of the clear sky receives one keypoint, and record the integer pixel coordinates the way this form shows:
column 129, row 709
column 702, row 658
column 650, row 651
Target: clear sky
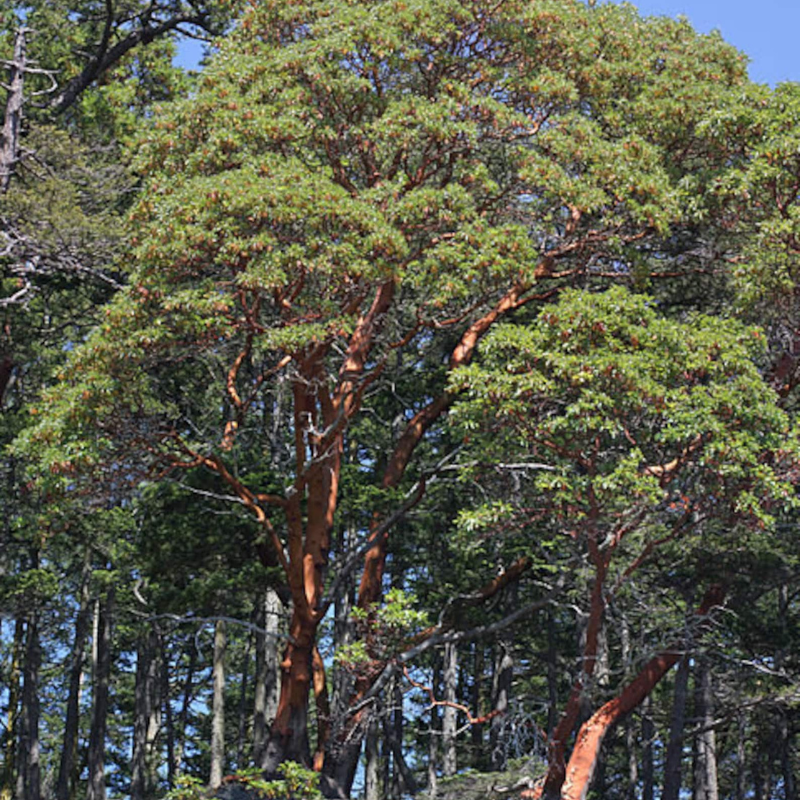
column 766, row 30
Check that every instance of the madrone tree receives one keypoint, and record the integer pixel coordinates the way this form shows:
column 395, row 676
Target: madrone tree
column 354, row 191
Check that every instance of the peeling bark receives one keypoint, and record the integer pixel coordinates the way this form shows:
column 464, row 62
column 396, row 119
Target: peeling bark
column 586, row 753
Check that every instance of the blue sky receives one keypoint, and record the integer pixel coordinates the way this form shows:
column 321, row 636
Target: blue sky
column 766, row 30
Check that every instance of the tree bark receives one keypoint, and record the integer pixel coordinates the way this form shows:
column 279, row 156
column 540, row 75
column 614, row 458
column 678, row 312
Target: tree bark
column 372, row 769
column 449, row 712
column 557, row 746
column 169, row 719
column 96, row 788
column 674, row 758
column 144, row 709
column 69, row 752
column 29, row 772
column 265, row 703
column 501, row 689
column 705, row 761
column 288, row 740
column 787, row 768
column 10, row 769
column 585, row 755
column 183, row 715
column 218, row 707
column 242, row 711
column 12, row 122
column 648, row 737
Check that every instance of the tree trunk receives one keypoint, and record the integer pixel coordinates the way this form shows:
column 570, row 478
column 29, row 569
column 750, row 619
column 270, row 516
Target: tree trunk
column 288, row 740
column 69, row 752
column 372, row 770
column 96, row 788
column 218, row 707
column 10, row 770
column 12, row 122
column 648, row 736
column 585, row 755
column 144, row 702
column 674, row 758
column 183, row 716
column 29, row 771
column 789, row 779
column 557, row 746
column 169, row 721
column 449, row 712
column 741, row 757
column 501, row 689
column 705, row 760
column 266, row 678
column 476, row 730
column 243, row 687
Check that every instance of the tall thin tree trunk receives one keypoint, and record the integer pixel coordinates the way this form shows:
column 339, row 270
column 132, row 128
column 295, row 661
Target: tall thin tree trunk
column 241, row 732
column 169, row 720
column 144, row 702
column 674, row 758
column 449, row 712
column 741, row 756
column 476, row 730
column 630, row 732
column 789, row 777
column 183, row 715
column 372, row 769
column 434, row 731
column 69, row 750
column 12, row 725
column 705, row 761
column 29, row 771
column 218, row 707
column 501, row 689
column 648, row 737
column 12, row 122
column 265, row 703
column 96, row 788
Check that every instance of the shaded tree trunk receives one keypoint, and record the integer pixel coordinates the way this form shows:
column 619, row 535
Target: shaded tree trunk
column 183, row 715
column 144, row 709
column 265, row 703
column 476, row 730
column 648, row 736
column 705, row 756
column 69, row 752
column 96, row 787
column 501, row 690
column 169, row 719
column 12, row 725
column 218, row 707
column 29, row 770
column 12, row 122
column 243, row 687
column 674, row 758
column 449, row 712
column 787, row 767
column 372, row 769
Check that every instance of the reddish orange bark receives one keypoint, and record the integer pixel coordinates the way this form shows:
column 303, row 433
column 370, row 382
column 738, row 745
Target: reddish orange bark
column 583, row 761
column 557, row 746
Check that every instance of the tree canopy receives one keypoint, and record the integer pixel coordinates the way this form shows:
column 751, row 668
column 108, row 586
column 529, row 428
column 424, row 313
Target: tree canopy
column 452, row 299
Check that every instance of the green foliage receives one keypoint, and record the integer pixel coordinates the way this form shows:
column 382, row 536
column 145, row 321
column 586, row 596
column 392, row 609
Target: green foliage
column 634, row 425
column 296, row 783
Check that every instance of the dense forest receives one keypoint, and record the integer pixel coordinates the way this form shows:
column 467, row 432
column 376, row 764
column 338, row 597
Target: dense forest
column 402, row 403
